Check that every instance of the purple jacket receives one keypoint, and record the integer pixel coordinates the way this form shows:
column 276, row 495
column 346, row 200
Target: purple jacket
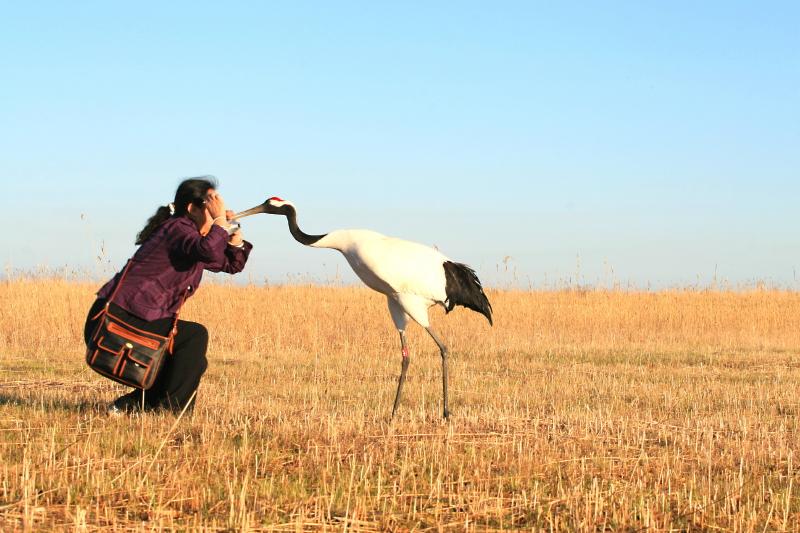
column 171, row 260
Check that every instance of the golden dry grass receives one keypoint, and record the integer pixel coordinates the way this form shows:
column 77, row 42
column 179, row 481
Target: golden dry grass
column 587, row 411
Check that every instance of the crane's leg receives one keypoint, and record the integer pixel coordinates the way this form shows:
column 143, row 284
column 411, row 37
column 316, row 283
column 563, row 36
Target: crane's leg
column 443, row 351
column 403, row 370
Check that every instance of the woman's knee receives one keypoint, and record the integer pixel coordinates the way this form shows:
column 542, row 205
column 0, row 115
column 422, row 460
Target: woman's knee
column 193, row 344
column 194, row 335
column 202, row 364
column 202, row 339
column 201, row 336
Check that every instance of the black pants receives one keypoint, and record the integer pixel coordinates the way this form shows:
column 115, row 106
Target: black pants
column 182, row 370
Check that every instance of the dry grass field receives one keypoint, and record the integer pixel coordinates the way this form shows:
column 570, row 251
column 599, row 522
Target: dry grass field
column 579, row 411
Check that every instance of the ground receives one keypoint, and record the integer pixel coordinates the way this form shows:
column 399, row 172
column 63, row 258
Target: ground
column 580, row 410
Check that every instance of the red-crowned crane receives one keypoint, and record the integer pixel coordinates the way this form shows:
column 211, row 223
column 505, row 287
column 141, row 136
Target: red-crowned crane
column 413, row 277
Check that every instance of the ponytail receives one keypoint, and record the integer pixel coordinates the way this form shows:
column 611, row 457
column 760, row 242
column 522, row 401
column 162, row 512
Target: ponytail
column 190, row 191
column 162, row 214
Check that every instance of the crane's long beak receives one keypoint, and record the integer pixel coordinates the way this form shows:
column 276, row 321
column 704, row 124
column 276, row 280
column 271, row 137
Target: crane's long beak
column 252, row 211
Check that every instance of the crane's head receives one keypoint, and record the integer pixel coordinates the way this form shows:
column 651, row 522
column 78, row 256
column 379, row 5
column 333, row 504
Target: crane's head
column 272, row 206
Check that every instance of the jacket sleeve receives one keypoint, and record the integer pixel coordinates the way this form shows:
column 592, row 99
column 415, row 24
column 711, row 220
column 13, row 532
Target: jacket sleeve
column 207, row 249
column 233, row 259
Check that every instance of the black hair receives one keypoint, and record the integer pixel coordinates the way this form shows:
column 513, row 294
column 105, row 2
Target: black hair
column 190, row 191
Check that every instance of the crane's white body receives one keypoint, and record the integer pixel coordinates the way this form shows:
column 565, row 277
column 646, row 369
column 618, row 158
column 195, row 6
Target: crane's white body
column 411, row 275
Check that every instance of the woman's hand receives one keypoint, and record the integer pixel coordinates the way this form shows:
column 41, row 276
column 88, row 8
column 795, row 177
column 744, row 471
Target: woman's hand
column 216, row 209
column 236, row 239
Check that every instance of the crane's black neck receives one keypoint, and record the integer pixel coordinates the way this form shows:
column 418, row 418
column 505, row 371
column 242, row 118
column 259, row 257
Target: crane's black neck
column 294, row 229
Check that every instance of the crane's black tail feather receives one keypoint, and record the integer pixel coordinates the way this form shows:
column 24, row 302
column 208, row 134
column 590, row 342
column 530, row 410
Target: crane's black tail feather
column 464, row 288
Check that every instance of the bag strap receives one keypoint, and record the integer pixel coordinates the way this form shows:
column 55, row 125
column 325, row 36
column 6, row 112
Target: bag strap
column 119, row 282
column 105, row 308
column 174, row 330
column 177, row 311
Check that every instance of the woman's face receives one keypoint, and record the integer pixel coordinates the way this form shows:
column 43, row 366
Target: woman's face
column 200, row 216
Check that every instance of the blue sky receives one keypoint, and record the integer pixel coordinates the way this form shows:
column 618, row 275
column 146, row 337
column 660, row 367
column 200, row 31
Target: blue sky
column 651, row 143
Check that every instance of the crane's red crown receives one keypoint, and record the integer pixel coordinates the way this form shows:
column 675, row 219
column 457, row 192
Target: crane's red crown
column 276, row 198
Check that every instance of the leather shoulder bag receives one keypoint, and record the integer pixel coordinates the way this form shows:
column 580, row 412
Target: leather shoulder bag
column 125, row 353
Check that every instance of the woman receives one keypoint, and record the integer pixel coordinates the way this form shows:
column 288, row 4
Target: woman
column 177, row 244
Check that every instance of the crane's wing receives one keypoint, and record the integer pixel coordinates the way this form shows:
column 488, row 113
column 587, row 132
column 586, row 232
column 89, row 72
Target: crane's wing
column 402, row 266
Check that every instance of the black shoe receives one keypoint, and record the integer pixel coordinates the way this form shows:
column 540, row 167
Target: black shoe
column 126, row 405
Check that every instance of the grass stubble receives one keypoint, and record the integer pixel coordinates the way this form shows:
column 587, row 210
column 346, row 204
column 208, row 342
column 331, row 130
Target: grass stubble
column 580, row 410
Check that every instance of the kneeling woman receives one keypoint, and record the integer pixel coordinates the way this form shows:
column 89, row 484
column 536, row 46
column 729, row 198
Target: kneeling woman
column 178, row 243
